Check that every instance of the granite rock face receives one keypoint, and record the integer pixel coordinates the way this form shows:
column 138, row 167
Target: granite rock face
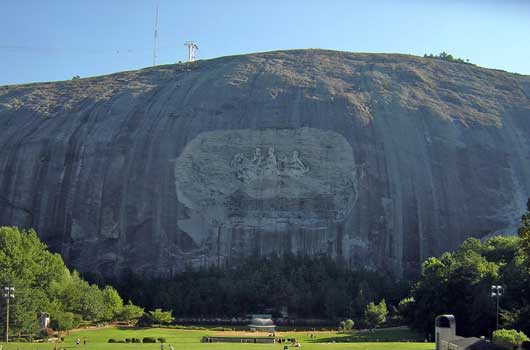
column 380, row 160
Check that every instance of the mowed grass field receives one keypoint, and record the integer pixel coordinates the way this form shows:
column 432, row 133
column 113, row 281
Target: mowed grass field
column 97, row 339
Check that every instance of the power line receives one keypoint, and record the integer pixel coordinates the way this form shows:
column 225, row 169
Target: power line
column 87, row 50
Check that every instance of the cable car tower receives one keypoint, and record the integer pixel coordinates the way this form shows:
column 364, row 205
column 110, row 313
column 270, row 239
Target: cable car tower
column 191, row 50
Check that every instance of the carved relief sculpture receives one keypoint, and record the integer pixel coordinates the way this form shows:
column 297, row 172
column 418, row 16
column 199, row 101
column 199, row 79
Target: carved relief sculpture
column 267, row 167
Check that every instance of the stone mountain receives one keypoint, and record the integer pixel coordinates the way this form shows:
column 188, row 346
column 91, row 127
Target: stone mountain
column 380, row 160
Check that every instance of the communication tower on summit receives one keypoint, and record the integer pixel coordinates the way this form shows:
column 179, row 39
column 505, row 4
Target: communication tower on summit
column 155, row 36
column 191, row 50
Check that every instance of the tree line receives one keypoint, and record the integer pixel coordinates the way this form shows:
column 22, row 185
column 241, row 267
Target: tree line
column 444, row 56
column 460, row 283
column 307, row 287
column 42, row 283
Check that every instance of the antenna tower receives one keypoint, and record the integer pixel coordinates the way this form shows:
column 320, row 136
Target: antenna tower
column 191, row 50
column 155, row 36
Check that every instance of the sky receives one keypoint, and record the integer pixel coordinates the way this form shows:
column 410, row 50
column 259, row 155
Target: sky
column 49, row 40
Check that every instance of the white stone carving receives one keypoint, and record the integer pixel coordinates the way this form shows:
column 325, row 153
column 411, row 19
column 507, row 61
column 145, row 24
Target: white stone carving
column 267, row 167
column 271, row 180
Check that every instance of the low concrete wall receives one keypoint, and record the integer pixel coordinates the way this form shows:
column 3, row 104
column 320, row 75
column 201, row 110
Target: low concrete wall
column 253, row 340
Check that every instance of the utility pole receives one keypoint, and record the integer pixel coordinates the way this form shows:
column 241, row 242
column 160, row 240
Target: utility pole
column 191, row 50
column 496, row 291
column 155, row 36
column 9, row 293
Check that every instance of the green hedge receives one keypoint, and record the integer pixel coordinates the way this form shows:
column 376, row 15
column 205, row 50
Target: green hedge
column 149, row 340
column 112, row 340
column 191, row 328
column 127, row 340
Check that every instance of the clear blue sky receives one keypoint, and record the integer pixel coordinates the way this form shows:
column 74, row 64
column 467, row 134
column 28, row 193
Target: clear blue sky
column 45, row 40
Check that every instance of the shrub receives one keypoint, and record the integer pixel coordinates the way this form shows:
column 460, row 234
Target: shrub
column 144, row 321
column 149, row 340
column 136, row 340
column 128, row 340
column 346, row 325
column 161, row 340
column 375, row 314
column 112, row 340
column 159, row 316
column 508, row 338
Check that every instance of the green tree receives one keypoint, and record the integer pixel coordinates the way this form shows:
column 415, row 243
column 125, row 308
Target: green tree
column 508, row 338
column 346, row 325
column 43, row 283
column 83, row 299
column 375, row 314
column 158, row 316
column 63, row 321
column 406, row 310
column 28, row 266
column 131, row 312
column 113, row 303
column 524, row 234
column 459, row 283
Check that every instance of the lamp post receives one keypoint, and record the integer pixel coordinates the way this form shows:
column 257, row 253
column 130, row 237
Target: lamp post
column 496, row 292
column 9, row 293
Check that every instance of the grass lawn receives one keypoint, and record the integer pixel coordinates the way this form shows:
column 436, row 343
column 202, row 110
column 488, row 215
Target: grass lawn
column 190, row 339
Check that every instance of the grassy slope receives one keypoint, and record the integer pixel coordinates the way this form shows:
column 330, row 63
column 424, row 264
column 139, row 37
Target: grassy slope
column 190, row 339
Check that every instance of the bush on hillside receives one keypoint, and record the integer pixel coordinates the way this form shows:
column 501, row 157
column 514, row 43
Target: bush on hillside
column 161, row 340
column 149, row 340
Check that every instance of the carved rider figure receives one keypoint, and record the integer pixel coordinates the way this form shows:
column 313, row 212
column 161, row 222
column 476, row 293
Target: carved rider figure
column 271, row 167
column 249, row 169
column 297, row 168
